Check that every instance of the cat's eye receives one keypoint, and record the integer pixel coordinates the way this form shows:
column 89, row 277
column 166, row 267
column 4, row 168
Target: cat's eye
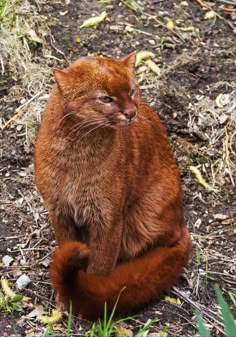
column 132, row 92
column 106, row 99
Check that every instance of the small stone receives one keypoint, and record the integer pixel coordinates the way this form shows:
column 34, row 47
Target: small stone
column 220, row 216
column 7, row 260
column 46, row 262
column 19, row 127
column 152, row 42
column 22, row 281
column 23, row 261
column 184, row 4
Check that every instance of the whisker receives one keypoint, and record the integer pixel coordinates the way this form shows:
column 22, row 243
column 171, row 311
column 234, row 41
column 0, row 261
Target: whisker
column 88, row 122
column 66, row 115
column 83, row 125
column 87, row 133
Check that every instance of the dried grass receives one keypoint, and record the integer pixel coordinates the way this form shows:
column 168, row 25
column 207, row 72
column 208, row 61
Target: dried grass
column 21, row 31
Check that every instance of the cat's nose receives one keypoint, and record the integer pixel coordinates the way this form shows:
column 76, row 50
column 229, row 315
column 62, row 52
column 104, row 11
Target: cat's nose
column 130, row 113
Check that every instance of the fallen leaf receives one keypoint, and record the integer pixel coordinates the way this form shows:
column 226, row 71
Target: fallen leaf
column 55, row 317
column 210, row 15
column 218, row 101
column 94, row 21
column 123, row 332
column 170, row 24
column 143, row 55
column 199, row 177
column 152, row 65
column 9, row 292
column 172, row 300
column 6, row 288
column 38, row 311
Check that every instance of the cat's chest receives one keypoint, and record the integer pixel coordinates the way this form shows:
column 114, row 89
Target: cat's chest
column 82, row 200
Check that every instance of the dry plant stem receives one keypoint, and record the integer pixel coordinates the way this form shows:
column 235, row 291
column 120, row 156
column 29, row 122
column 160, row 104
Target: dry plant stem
column 229, row 10
column 20, row 110
column 210, row 315
column 227, row 157
column 228, row 2
column 164, row 26
column 204, row 5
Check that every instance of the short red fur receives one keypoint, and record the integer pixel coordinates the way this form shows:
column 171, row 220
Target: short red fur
column 105, row 169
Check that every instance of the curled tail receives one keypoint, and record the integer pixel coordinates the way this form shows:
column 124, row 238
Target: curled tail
column 141, row 279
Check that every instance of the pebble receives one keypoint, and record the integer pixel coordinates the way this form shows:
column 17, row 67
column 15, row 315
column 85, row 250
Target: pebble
column 23, row 281
column 7, row 260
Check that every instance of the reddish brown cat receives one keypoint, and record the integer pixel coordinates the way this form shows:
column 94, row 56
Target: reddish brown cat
column 104, row 167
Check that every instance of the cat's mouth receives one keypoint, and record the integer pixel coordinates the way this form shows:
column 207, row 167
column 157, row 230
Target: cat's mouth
column 120, row 120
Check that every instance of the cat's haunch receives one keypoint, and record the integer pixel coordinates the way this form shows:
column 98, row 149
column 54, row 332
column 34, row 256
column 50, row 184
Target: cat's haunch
column 106, row 172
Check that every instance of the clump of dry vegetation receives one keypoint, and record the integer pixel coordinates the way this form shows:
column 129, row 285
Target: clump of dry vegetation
column 186, row 71
column 24, row 30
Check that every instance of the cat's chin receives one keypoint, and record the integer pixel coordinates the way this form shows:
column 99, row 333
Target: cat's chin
column 123, row 124
column 126, row 124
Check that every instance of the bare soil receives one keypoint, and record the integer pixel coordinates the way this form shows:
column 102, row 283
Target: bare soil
column 197, row 64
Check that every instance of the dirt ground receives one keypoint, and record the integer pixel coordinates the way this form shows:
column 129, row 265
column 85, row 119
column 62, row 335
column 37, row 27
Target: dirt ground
column 193, row 89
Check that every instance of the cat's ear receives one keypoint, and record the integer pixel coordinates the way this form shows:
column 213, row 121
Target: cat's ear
column 62, row 78
column 130, row 60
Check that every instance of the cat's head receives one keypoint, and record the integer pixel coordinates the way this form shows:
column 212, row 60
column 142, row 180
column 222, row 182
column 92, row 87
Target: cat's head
column 100, row 90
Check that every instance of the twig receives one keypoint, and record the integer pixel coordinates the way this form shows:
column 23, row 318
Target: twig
column 228, row 2
column 204, row 5
column 164, row 26
column 20, row 110
column 211, row 316
column 229, row 9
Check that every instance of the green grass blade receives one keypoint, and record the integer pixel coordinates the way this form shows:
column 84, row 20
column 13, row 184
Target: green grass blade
column 68, row 328
column 114, row 308
column 202, row 329
column 229, row 325
column 146, row 326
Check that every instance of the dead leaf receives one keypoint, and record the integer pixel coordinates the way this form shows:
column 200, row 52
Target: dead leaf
column 94, row 21
column 172, row 300
column 54, row 318
column 154, row 67
column 210, row 15
column 123, row 332
column 38, row 311
column 143, row 55
column 199, row 177
column 170, row 24
column 218, row 101
column 7, row 289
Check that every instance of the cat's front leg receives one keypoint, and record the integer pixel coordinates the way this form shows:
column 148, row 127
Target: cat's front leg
column 64, row 227
column 104, row 247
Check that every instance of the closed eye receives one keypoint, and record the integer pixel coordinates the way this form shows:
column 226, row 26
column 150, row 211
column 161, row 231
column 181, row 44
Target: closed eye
column 106, row 99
